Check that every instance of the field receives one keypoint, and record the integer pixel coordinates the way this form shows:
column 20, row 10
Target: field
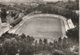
column 42, row 27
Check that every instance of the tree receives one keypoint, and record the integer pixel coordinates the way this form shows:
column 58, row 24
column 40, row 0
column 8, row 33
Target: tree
column 59, row 39
column 40, row 42
column 45, row 41
column 73, row 5
column 36, row 42
column 36, row 46
column 10, row 46
column 23, row 36
column 1, row 49
column 3, row 15
column 40, row 46
column 26, row 47
column 45, row 44
column 73, row 34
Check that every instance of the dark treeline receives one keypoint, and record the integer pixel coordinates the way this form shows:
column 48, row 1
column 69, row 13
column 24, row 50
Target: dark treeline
column 12, row 44
column 54, row 9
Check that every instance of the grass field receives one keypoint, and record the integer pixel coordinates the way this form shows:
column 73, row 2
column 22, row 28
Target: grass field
column 42, row 27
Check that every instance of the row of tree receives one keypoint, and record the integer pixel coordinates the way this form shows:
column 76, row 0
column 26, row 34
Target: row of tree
column 54, row 9
column 12, row 44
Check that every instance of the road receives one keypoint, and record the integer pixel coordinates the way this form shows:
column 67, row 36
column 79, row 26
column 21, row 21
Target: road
column 42, row 27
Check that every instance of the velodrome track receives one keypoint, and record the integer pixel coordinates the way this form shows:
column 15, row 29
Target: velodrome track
column 43, row 26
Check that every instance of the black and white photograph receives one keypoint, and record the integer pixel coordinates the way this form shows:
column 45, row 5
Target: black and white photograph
column 39, row 27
